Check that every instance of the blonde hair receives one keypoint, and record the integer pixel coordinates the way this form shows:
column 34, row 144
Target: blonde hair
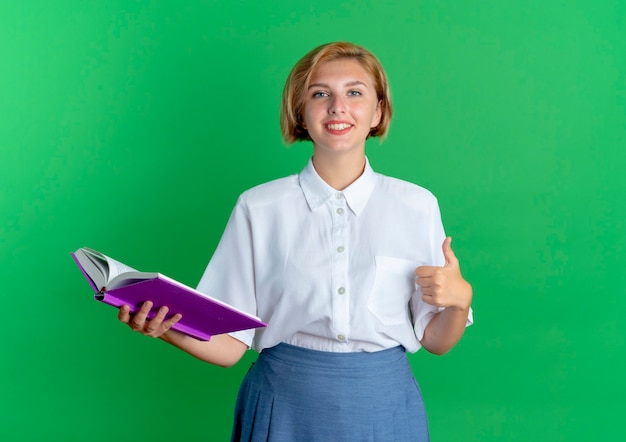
column 297, row 83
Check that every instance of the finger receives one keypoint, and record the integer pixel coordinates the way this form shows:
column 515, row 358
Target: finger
column 155, row 323
column 160, row 316
column 431, row 300
column 139, row 319
column 424, row 282
column 425, row 271
column 434, row 285
column 124, row 314
column 448, row 253
column 427, row 292
column 433, row 275
column 431, row 289
column 172, row 321
column 143, row 312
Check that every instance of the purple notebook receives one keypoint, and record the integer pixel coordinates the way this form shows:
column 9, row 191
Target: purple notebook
column 202, row 316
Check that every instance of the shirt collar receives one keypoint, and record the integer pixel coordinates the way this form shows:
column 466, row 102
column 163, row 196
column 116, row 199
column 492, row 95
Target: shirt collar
column 317, row 191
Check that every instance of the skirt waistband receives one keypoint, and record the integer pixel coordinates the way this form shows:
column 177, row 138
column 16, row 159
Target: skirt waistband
column 300, row 356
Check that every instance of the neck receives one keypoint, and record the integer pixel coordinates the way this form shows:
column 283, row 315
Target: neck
column 339, row 171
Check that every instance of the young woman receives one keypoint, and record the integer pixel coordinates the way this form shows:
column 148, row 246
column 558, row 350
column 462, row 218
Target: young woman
column 350, row 269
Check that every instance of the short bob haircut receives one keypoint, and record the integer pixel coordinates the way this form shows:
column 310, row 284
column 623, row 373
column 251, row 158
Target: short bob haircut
column 297, row 84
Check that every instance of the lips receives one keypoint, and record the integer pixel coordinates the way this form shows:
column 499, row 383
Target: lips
column 338, row 127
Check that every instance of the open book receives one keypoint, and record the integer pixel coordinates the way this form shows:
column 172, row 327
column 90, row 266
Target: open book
column 117, row 284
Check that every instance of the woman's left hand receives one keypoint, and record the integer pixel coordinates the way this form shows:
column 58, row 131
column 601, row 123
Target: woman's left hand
column 445, row 286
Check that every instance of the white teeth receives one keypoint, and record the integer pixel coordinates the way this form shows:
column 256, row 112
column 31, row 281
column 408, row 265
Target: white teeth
column 341, row 126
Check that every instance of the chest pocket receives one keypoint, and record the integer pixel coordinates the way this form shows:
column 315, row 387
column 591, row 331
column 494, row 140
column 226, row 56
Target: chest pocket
column 394, row 284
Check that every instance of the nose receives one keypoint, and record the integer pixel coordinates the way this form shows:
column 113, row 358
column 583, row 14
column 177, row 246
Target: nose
column 336, row 105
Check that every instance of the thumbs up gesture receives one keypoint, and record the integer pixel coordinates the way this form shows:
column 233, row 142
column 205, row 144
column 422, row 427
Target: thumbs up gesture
column 445, row 286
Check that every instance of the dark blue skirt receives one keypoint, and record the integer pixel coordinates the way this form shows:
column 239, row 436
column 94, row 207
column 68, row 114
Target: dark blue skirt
column 296, row 394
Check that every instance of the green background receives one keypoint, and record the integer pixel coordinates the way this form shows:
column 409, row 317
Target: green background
column 132, row 126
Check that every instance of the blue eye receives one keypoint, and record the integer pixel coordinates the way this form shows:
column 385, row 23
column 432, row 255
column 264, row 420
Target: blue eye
column 354, row 93
column 320, row 94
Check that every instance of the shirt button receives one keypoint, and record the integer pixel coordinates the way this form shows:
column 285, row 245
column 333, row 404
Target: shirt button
column 341, row 337
column 340, row 249
column 341, row 290
column 338, row 196
column 340, row 211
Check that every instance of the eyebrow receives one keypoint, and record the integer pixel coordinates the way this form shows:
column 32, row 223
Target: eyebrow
column 348, row 84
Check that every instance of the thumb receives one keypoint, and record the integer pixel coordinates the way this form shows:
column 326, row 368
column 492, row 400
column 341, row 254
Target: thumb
column 448, row 253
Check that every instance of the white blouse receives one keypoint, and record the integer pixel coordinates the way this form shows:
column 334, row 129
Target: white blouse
column 329, row 270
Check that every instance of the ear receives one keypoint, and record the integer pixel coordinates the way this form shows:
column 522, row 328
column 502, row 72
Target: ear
column 378, row 115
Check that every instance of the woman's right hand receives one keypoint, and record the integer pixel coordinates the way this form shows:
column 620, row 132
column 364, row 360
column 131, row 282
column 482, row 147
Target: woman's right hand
column 222, row 350
column 139, row 321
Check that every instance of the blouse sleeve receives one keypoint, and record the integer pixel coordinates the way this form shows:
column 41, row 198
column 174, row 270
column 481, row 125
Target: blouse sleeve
column 423, row 312
column 229, row 275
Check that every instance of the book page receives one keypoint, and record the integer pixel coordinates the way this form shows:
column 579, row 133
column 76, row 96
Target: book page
column 109, row 267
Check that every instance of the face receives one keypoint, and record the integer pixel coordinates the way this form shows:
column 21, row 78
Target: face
column 340, row 106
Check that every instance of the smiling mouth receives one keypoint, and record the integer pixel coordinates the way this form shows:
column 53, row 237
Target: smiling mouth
column 338, row 126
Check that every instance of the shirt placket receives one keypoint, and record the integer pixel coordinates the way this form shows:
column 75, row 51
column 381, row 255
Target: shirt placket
column 340, row 287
